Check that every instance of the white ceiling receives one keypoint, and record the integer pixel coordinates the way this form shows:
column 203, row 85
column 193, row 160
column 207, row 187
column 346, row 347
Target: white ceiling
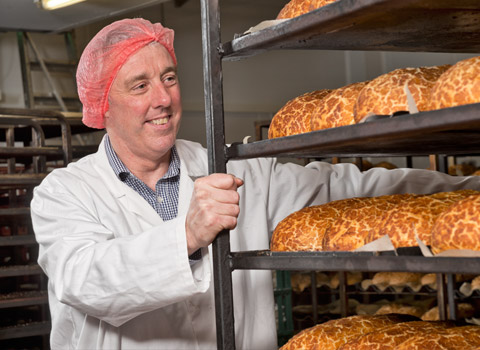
column 27, row 16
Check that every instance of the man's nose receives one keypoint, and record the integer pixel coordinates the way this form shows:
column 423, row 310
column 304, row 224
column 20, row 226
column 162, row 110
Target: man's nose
column 160, row 96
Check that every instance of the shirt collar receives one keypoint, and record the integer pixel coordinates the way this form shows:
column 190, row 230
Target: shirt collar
column 122, row 171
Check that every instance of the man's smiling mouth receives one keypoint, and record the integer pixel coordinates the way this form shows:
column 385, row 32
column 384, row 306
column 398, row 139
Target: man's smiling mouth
column 160, row 121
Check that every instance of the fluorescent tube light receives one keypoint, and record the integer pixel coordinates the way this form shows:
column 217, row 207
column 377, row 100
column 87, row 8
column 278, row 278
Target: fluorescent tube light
column 55, row 4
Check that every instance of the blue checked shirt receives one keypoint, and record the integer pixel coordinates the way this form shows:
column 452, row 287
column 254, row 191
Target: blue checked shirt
column 165, row 197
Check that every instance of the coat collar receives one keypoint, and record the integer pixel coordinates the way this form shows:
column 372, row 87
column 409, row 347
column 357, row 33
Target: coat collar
column 193, row 164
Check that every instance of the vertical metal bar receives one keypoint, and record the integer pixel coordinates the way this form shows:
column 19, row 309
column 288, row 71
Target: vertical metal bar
column 452, row 307
column 342, row 277
column 213, row 89
column 26, row 73
column 313, row 285
column 441, row 296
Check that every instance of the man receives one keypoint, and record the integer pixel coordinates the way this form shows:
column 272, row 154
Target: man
column 124, row 233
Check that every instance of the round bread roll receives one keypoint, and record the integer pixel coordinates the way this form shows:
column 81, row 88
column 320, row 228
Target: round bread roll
column 296, row 115
column 388, row 338
column 332, row 334
column 464, row 310
column 336, row 108
column 296, row 8
column 416, row 215
column 386, row 95
column 351, row 230
column 459, row 85
column 397, row 278
column 458, row 227
column 303, row 230
column 396, row 308
column 455, row 338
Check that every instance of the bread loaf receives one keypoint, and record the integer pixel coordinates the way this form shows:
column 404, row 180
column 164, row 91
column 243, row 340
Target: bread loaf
column 336, row 108
column 456, row 338
column 303, row 230
column 464, row 310
column 296, row 115
column 388, row 338
column 351, row 229
column 386, row 95
column 334, row 333
column 296, row 8
column 458, row 227
column 398, row 308
column 415, row 216
column 459, row 85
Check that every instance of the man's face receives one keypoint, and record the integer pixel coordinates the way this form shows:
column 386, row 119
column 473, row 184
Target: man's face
column 144, row 105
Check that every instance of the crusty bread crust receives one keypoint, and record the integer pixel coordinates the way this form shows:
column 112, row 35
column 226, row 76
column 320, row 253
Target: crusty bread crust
column 296, row 115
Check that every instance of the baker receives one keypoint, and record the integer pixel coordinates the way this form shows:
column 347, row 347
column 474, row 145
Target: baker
column 125, row 233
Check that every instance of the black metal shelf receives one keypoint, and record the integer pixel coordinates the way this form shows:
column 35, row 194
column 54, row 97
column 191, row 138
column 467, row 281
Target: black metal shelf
column 445, row 131
column 383, row 25
column 18, row 299
column 26, row 330
column 351, row 261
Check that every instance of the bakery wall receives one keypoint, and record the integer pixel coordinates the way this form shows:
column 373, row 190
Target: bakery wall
column 254, row 89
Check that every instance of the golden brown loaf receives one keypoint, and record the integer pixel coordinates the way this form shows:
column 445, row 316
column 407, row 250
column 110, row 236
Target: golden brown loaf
column 458, row 227
column 464, row 310
column 398, row 308
column 334, row 333
column 459, row 85
column 388, row 338
column 296, row 115
column 336, row 108
column 386, row 95
column 456, row 338
column 303, row 230
column 296, row 8
column 351, row 229
column 415, row 216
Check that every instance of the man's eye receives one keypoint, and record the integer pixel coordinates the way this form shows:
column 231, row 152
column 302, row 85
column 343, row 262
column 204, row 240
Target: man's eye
column 170, row 80
column 140, row 87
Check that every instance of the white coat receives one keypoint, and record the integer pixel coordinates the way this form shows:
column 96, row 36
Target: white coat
column 120, row 278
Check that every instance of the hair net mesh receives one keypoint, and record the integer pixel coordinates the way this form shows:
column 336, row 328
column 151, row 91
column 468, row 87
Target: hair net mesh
column 103, row 57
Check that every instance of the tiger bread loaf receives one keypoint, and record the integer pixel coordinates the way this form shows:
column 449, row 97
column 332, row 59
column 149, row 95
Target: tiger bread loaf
column 416, row 215
column 295, row 8
column 386, row 94
column 303, row 230
column 390, row 337
column 332, row 334
column 459, row 85
column 296, row 115
column 350, row 223
column 455, row 338
column 337, row 107
column 349, row 230
column 458, row 227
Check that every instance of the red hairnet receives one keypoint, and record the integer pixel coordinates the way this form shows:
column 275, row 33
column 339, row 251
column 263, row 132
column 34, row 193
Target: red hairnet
column 103, row 57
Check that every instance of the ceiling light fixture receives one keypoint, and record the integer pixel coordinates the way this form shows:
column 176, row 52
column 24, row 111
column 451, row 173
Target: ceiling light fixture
column 56, row 4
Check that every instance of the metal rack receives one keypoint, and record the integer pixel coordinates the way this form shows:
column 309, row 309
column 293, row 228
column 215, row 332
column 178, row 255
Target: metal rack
column 388, row 25
column 25, row 160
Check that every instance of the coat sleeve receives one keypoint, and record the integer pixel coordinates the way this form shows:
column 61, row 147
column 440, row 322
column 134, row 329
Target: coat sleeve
column 111, row 278
column 292, row 187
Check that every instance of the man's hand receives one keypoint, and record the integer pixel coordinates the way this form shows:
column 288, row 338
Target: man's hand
column 213, row 207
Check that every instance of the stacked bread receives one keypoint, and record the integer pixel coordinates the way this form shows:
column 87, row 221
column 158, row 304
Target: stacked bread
column 385, row 332
column 296, row 8
column 404, row 89
column 444, row 220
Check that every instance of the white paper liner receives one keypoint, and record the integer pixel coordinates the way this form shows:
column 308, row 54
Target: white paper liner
column 264, row 24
